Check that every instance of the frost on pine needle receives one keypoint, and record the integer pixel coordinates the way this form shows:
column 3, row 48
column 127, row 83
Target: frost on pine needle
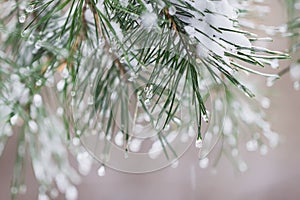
column 114, row 80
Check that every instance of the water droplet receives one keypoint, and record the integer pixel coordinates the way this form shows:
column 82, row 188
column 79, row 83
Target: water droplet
column 22, row 189
column 119, row 139
column 71, row 193
column 270, row 81
column 135, row 145
column 54, row 193
column 39, row 83
column 265, row 102
column 149, row 94
column 126, row 154
column 295, row 71
column 122, row 60
column 198, row 60
column 49, row 35
column 73, row 93
column 114, row 96
column 177, row 121
column 30, row 9
column 167, row 127
column 205, row 118
column 203, row 163
column 31, row 39
column 60, row 85
column 22, row 18
column 199, row 143
column 147, row 102
column 76, row 141
column 33, row 127
column 37, row 100
column 252, row 145
column 14, row 190
column 78, row 132
column 65, row 72
column 242, row 166
column 172, row 10
column 227, row 126
column 43, row 196
column 60, row 111
column 148, row 88
column 14, row 119
column 85, row 162
column 38, row 44
column 25, row 33
column 234, row 152
column 274, row 64
column 101, row 171
column 175, row 163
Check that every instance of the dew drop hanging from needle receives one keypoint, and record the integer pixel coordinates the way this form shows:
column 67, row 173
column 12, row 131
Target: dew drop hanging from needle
column 29, row 9
column 22, row 18
column 101, row 171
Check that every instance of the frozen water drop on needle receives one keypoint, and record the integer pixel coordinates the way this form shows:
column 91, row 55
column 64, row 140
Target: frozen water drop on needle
column 172, row 10
column 29, row 9
column 101, row 171
column 203, row 163
column 199, row 143
column 22, row 18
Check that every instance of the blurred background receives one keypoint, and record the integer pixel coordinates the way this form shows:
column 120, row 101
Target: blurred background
column 275, row 176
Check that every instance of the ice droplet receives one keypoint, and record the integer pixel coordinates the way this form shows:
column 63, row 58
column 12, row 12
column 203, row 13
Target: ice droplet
column 71, row 193
column 37, row 100
column 14, row 119
column 22, row 18
column 265, row 102
column 25, row 33
column 73, row 93
column 39, row 83
column 43, row 196
column 147, row 102
column 242, row 166
column 14, row 190
column 60, row 85
column 76, row 141
column 172, row 10
column 203, row 163
column 135, row 145
column 175, row 163
column 101, row 171
column 38, row 44
column 33, row 127
column 199, row 143
column 65, row 73
column 270, row 81
column 119, row 138
column 252, row 145
column 30, row 9
column 295, row 71
column 31, row 39
column 234, row 152
column 60, row 111
column 205, row 118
